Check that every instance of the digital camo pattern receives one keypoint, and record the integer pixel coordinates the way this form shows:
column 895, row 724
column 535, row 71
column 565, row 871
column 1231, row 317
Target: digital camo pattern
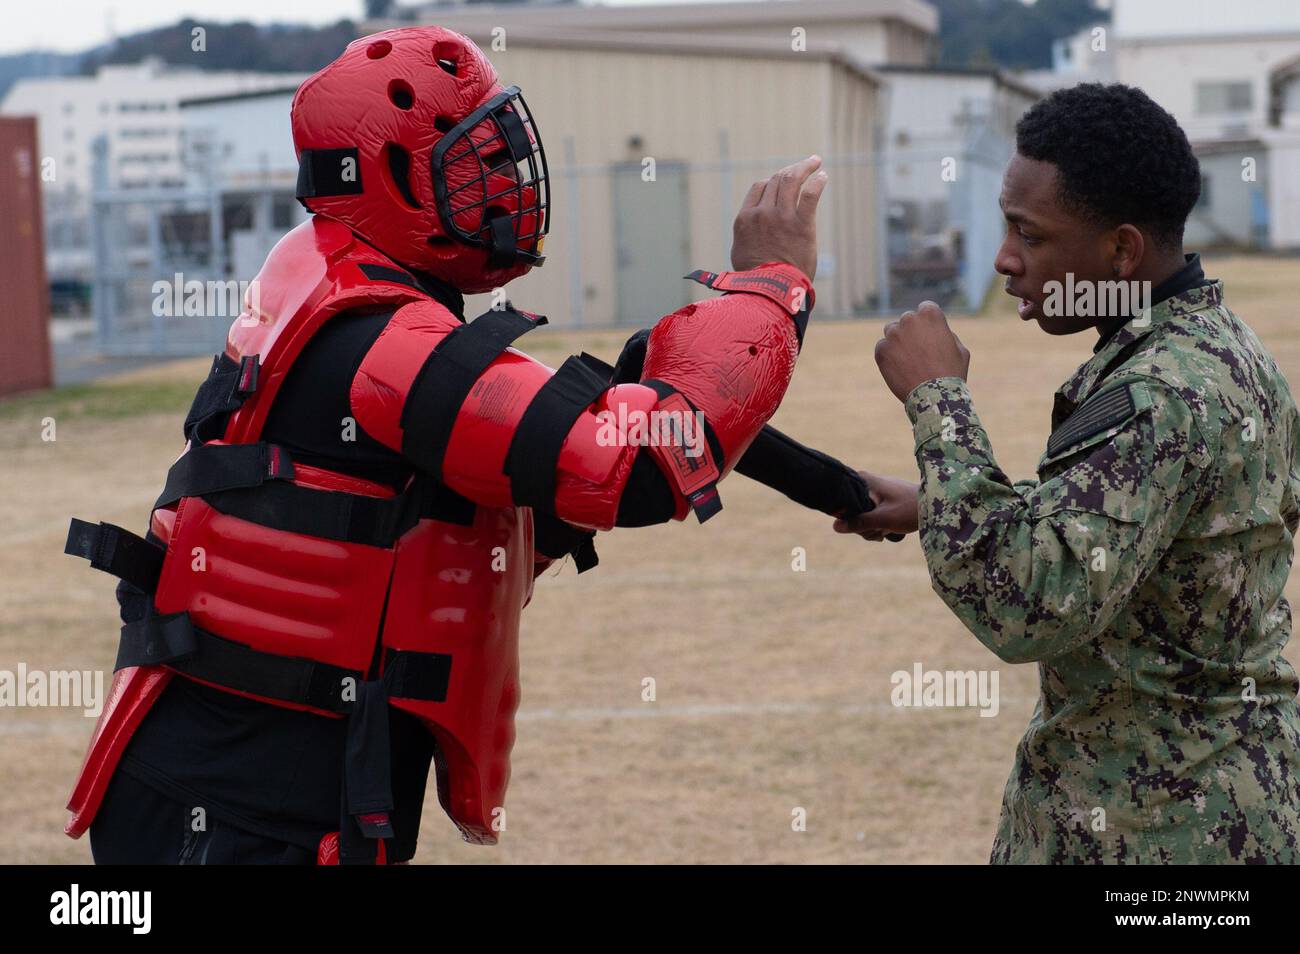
column 1143, row 572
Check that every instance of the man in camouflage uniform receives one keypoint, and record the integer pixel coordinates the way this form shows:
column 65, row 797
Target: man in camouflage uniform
column 1143, row 570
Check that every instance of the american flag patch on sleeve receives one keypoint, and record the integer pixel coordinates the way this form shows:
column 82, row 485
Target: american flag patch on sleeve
column 1095, row 415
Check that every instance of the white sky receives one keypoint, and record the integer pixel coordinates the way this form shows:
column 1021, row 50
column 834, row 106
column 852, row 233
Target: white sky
column 71, row 25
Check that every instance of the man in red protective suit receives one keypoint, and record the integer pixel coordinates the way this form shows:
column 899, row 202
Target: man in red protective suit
column 370, row 483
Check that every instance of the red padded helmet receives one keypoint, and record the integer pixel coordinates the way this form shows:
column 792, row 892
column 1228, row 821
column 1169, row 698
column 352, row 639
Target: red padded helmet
column 409, row 140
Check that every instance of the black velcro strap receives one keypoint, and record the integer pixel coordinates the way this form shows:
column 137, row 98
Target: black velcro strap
column 413, row 675
column 382, row 273
column 210, row 468
column 502, row 242
column 222, row 391
column 321, row 172
column 174, row 640
column 333, row 515
column 440, row 502
column 116, row 551
column 603, row 368
column 517, row 139
column 1095, row 415
column 546, row 422
column 155, row 640
column 445, row 380
column 585, row 556
column 367, row 777
column 554, row 538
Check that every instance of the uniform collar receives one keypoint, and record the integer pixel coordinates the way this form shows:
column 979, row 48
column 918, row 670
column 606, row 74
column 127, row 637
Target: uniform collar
column 1122, row 341
column 1187, row 277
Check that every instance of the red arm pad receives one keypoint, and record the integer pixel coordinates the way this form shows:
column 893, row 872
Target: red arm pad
column 732, row 357
column 591, row 472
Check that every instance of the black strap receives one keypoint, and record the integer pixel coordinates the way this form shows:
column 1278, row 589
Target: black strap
column 546, row 422
column 320, row 173
column 223, row 391
column 120, row 552
column 440, row 502
column 333, row 515
column 250, row 481
column 502, row 246
column 445, row 380
column 382, row 273
column 367, row 791
column 554, row 538
column 210, row 468
column 603, row 368
column 414, row 675
column 173, row 640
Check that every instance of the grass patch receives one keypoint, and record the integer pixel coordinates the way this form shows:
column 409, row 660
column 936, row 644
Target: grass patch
column 101, row 401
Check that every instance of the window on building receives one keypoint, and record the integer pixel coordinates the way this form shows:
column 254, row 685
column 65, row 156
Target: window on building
column 282, row 211
column 1223, row 96
column 1204, row 201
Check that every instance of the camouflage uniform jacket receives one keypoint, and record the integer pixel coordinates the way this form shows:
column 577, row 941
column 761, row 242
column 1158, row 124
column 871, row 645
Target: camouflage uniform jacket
column 1143, row 572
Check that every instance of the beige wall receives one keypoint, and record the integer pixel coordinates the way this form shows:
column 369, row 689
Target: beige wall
column 871, row 41
column 851, row 229
column 771, row 112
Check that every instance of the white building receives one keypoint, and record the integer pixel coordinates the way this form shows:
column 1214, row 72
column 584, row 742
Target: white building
column 240, row 144
column 950, row 133
column 1213, row 66
column 134, row 109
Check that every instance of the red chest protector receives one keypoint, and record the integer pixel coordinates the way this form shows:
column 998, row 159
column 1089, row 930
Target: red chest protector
column 312, row 589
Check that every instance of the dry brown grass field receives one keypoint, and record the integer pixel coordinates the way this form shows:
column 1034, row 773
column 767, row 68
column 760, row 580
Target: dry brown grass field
column 773, row 686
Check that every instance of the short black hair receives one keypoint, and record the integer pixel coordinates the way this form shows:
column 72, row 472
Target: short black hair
column 1119, row 156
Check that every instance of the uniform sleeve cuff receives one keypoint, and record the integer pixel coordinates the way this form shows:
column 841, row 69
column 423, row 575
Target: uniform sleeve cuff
column 937, row 405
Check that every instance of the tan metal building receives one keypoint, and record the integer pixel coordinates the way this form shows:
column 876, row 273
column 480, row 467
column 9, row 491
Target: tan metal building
column 874, row 31
column 652, row 143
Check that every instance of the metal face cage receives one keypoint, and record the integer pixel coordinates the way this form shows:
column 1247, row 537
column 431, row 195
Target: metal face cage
column 510, row 152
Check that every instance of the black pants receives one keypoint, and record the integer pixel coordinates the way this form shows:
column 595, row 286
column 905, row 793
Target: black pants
column 138, row 825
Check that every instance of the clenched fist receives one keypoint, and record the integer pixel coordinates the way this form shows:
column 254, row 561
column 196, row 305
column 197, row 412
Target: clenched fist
column 920, row 347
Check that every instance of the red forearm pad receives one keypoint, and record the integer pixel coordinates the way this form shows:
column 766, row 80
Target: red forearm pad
column 732, row 357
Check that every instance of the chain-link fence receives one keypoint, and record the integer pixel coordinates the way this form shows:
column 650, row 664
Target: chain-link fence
column 622, row 235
